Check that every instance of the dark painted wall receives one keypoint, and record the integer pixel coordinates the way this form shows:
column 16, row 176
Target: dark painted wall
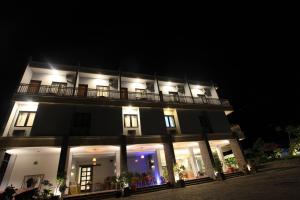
column 190, row 124
column 189, row 121
column 54, row 119
column 152, row 121
column 218, row 121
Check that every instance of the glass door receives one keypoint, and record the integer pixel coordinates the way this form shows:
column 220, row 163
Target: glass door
column 86, row 178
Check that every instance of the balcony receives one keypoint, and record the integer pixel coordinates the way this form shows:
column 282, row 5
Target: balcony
column 111, row 95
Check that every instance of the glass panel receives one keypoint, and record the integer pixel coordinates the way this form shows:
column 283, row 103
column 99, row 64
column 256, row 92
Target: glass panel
column 134, row 121
column 30, row 119
column 82, row 182
column 89, row 173
column 88, row 178
column 84, row 174
column 127, row 121
column 21, row 119
column 172, row 123
column 84, row 169
column 167, row 121
column 82, row 188
column 83, row 178
column 88, row 169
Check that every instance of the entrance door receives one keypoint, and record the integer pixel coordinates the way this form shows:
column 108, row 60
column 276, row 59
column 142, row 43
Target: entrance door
column 34, row 87
column 86, row 178
column 82, row 90
column 124, row 93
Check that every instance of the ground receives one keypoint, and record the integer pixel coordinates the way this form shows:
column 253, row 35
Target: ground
column 281, row 182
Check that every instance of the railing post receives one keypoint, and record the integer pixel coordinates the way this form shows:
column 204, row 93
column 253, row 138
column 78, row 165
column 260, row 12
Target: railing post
column 188, row 84
column 75, row 82
column 120, row 82
column 161, row 98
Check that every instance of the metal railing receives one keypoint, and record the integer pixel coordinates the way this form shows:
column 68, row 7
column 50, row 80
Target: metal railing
column 61, row 91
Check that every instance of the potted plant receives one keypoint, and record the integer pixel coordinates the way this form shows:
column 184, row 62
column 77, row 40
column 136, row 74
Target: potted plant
column 61, row 183
column 179, row 171
column 230, row 163
column 123, row 181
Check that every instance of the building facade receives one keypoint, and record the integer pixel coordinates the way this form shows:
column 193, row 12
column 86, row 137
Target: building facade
column 93, row 125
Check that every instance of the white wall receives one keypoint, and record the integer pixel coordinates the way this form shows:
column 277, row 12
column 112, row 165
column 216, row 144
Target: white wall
column 166, row 89
column 198, row 90
column 133, row 111
column 24, row 165
column 27, row 75
column 47, row 79
column 131, row 86
column 93, row 82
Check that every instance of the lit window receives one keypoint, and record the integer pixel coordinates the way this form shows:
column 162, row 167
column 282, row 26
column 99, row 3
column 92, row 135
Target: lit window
column 170, row 122
column 25, row 119
column 130, row 121
column 102, row 91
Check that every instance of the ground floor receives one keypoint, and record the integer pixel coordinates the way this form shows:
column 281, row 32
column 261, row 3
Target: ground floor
column 94, row 168
column 275, row 182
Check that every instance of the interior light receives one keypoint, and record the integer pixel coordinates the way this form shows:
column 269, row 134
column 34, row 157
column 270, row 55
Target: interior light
column 136, row 161
column 152, row 166
column 142, row 156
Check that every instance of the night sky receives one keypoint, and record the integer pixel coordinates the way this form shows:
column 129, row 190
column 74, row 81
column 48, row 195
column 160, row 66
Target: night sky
column 251, row 63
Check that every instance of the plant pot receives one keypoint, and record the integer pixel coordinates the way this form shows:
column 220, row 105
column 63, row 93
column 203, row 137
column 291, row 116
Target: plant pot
column 126, row 192
column 181, row 183
column 118, row 194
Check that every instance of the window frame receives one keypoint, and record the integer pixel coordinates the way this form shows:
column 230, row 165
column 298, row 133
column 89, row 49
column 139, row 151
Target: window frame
column 130, row 117
column 102, row 91
column 168, row 117
column 27, row 118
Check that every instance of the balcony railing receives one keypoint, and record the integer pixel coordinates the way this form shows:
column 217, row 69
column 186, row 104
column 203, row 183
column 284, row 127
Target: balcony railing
column 59, row 91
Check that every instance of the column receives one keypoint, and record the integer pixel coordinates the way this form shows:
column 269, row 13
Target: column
column 69, row 170
column 63, row 158
column 207, row 158
column 170, row 159
column 221, row 156
column 238, row 154
column 193, row 162
column 123, row 154
column 2, row 153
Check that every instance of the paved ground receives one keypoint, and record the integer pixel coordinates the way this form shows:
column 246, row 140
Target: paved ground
column 276, row 183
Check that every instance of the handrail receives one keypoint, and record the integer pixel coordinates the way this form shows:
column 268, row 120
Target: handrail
column 49, row 90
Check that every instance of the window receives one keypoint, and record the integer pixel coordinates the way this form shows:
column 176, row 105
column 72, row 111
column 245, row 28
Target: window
column 58, row 87
column 140, row 93
column 25, row 119
column 102, row 91
column 170, row 122
column 130, row 121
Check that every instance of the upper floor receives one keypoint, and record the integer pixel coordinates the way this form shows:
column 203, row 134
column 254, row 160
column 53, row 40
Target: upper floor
column 60, row 83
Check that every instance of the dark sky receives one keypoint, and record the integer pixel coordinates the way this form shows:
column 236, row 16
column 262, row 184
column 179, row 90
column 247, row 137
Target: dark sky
column 251, row 62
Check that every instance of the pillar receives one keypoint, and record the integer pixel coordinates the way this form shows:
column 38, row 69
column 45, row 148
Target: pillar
column 2, row 154
column 193, row 162
column 170, row 158
column 238, row 154
column 63, row 158
column 123, row 154
column 207, row 158
column 221, row 156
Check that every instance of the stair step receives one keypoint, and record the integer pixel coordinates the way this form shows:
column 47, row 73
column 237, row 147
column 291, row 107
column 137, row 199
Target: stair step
column 233, row 175
column 198, row 181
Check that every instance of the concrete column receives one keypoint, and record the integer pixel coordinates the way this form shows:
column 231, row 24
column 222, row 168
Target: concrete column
column 170, row 159
column 68, row 170
column 193, row 162
column 2, row 153
column 123, row 154
column 157, row 152
column 118, row 165
column 221, row 156
column 63, row 158
column 207, row 158
column 238, row 154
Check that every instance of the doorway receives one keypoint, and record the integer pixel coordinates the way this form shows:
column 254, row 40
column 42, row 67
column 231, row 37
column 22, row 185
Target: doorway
column 124, row 93
column 82, row 90
column 34, row 87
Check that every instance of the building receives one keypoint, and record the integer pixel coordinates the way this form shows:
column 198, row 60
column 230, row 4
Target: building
column 94, row 124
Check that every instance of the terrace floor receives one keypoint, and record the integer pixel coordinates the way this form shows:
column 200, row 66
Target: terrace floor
column 278, row 182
